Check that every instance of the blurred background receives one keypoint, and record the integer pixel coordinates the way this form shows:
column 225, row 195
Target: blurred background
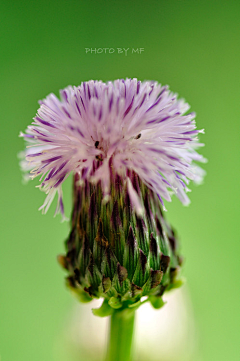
column 194, row 47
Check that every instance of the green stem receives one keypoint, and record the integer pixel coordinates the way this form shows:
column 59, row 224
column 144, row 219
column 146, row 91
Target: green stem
column 121, row 335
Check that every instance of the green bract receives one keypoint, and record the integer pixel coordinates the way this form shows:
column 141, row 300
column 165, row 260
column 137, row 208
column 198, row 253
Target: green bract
column 114, row 253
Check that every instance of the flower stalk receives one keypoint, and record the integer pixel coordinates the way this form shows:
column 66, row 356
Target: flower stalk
column 120, row 343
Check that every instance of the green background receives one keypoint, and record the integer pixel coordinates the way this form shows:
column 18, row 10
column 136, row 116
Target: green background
column 191, row 45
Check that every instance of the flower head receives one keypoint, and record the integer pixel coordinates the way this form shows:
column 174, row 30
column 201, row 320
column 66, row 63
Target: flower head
column 129, row 145
column 103, row 130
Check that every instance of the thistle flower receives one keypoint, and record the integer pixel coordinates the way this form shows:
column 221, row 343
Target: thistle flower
column 129, row 145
